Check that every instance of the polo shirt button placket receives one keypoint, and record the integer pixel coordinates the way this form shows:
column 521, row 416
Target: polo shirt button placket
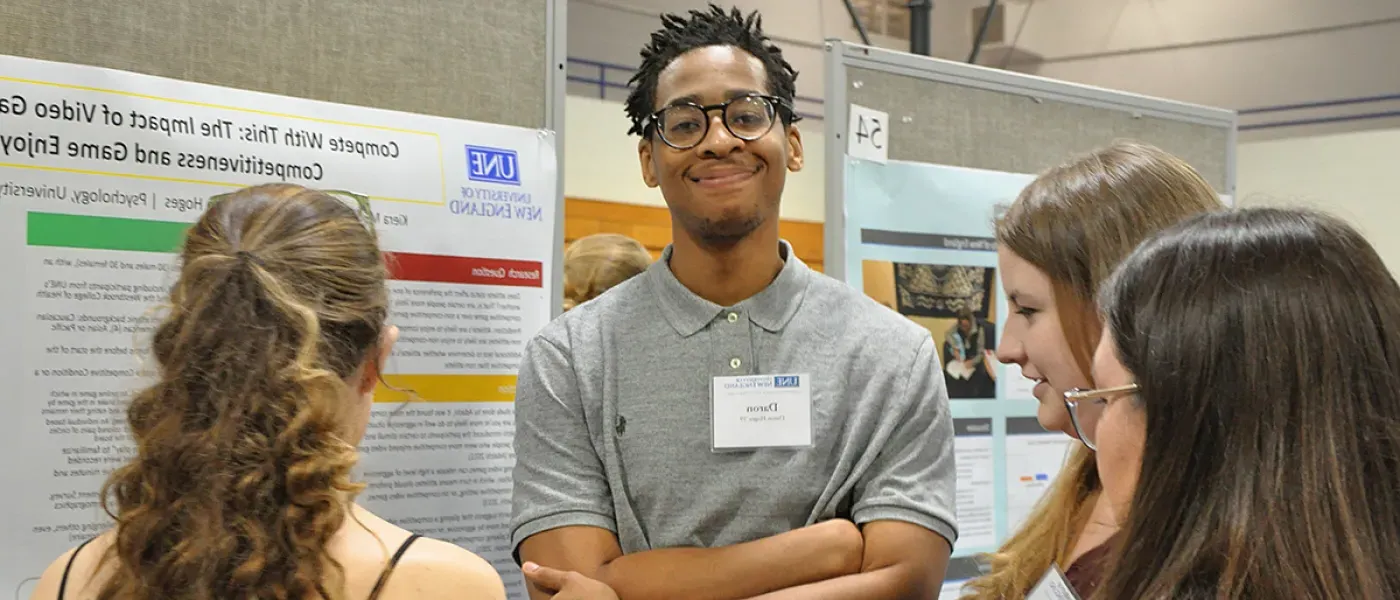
column 735, row 363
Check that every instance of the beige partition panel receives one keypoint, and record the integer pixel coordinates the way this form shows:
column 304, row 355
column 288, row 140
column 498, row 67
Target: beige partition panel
column 950, row 113
column 484, row 60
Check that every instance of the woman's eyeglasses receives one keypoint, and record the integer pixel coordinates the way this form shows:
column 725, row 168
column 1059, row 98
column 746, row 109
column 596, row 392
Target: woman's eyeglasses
column 1086, row 408
column 685, row 124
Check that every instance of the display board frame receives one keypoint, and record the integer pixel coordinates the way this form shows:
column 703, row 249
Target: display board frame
column 556, row 77
column 843, row 59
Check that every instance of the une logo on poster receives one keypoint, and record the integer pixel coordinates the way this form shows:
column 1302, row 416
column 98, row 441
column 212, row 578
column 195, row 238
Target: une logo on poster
column 493, row 165
column 786, row 381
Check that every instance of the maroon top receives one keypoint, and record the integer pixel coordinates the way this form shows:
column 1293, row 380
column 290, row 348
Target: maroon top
column 1087, row 572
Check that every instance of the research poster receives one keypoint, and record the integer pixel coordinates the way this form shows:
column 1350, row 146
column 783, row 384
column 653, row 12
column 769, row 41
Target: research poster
column 919, row 239
column 102, row 171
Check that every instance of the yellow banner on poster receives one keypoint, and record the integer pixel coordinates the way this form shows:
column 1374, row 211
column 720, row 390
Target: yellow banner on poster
column 446, row 388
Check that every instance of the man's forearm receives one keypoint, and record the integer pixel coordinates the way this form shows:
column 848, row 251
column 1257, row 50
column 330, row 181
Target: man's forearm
column 883, row 584
column 786, row 560
column 901, row 561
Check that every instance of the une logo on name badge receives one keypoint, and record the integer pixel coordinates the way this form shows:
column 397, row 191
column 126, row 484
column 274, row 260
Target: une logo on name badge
column 493, row 165
column 786, row 381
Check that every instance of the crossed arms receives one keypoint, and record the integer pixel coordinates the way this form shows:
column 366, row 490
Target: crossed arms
column 563, row 504
column 832, row 559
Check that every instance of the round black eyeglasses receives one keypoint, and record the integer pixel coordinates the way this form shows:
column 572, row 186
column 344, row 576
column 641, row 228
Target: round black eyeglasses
column 684, row 125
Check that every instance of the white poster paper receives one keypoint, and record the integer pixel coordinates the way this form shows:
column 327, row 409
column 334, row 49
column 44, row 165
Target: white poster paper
column 951, row 589
column 869, row 134
column 1034, row 458
column 976, row 495
column 1017, row 386
column 100, row 173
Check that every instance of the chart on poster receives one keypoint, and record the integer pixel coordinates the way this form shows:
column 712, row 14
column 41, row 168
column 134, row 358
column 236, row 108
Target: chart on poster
column 1033, row 458
column 102, row 171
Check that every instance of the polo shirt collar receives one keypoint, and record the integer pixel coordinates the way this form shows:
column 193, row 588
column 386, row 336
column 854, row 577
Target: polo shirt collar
column 770, row 309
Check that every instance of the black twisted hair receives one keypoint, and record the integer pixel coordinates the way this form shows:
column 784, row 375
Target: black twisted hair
column 714, row 27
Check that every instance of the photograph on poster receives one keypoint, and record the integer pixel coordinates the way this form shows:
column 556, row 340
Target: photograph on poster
column 957, row 304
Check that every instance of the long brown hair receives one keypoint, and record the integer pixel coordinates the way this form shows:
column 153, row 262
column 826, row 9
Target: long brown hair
column 242, row 471
column 1270, row 387
column 1075, row 222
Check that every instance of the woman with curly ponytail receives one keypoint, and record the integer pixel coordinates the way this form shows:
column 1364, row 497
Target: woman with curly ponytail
column 241, row 484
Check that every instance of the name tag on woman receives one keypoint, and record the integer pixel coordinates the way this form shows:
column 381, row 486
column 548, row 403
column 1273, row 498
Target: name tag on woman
column 761, row 411
column 1053, row 586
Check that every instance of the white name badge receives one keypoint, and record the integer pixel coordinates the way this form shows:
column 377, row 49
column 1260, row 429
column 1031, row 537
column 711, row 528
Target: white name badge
column 761, row 411
column 1053, row 586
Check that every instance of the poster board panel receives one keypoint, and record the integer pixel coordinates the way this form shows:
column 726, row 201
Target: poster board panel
column 922, row 154
column 951, row 124
column 101, row 173
column 484, row 61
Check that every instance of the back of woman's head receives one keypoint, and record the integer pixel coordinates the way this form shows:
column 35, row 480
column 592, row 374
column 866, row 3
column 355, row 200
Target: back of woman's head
column 1074, row 223
column 244, row 443
column 596, row 263
column 1266, row 344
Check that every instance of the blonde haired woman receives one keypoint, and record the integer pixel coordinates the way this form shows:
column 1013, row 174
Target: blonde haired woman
column 596, row 263
column 1057, row 244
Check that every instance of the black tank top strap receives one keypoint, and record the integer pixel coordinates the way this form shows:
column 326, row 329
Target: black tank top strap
column 388, row 569
column 63, row 583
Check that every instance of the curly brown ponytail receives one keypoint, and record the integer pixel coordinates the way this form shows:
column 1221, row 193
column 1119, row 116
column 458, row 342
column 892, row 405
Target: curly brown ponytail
column 242, row 471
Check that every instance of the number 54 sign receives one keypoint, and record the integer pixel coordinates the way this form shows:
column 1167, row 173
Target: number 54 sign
column 869, row 134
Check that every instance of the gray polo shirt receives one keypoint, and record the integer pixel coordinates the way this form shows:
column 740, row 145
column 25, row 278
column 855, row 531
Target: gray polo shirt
column 613, row 415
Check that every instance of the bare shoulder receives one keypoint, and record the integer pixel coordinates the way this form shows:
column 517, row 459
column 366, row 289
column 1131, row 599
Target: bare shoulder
column 84, row 566
column 49, row 581
column 436, row 569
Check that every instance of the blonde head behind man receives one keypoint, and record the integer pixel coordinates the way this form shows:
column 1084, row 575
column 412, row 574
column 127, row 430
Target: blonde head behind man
column 596, row 263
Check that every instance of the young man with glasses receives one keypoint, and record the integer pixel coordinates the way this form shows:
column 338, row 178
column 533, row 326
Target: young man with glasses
column 731, row 423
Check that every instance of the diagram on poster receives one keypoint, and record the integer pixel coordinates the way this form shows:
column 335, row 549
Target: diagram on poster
column 1034, row 458
column 102, row 171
